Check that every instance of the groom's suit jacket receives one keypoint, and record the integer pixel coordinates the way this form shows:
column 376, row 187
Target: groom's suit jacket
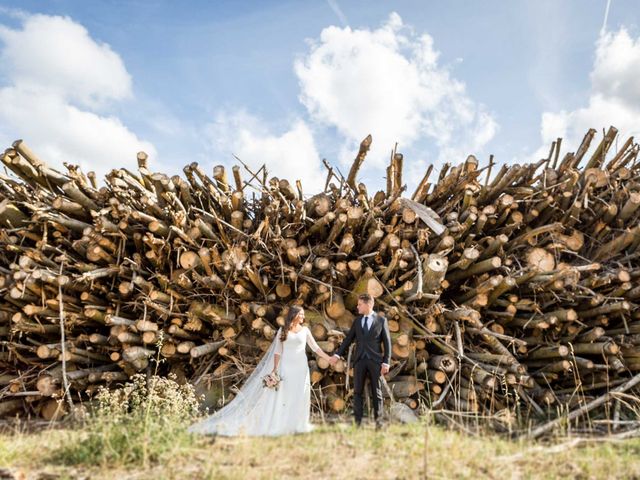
column 369, row 341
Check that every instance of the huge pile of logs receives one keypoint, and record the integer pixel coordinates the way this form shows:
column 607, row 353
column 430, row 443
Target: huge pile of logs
column 506, row 291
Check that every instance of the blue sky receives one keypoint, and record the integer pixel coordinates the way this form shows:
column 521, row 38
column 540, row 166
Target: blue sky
column 290, row 83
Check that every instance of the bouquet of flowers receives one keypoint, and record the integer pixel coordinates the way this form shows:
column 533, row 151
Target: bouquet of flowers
column 271, row 380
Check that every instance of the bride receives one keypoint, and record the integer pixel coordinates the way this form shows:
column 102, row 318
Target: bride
column 257, row 410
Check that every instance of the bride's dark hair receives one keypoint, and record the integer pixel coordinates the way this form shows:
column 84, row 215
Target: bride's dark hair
column 293, row 312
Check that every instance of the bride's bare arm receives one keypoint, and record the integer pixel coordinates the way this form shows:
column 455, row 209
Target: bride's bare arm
column 315, row 347
column 278, row 353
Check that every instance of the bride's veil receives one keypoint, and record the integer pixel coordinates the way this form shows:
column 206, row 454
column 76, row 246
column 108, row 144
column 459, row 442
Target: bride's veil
column 232, row 414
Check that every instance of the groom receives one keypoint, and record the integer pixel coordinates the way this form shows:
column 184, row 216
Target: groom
column 369, row 329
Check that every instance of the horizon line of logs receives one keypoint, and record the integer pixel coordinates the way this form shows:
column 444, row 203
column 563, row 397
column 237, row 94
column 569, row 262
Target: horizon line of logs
column 515, row 289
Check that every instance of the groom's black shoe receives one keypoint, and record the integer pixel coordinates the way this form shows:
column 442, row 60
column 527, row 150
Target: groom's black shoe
column 358, row 423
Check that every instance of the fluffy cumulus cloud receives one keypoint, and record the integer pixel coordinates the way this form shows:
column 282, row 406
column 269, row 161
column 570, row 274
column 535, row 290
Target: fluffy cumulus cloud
column 388, row 82
column 291, row 154
column 58, row 86
column 614, row 98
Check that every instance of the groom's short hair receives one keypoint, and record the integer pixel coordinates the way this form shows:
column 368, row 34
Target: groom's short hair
column 365, row 297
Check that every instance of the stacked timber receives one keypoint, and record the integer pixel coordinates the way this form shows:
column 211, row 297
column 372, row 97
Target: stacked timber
column 507, row 290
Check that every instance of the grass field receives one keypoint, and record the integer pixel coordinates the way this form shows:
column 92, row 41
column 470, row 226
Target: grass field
column 334, row 451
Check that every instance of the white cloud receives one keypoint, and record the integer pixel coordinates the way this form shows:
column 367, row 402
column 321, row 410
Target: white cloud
column 56, row 54
column 59, row 132
column 614, row 98
column 388, row 82
column 15, row 13
column 617, row 67
column 291, row 155
column 58, row 78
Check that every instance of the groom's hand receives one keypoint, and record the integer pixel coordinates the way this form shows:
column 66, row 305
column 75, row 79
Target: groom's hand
column 384, row 369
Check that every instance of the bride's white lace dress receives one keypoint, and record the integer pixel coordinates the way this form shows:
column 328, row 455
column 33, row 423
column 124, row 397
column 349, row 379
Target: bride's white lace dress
column 256, row 410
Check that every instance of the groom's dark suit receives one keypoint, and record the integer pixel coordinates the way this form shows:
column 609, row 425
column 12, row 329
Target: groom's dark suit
column 368, row 359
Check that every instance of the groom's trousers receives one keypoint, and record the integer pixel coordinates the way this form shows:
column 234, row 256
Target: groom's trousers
column 366, row 367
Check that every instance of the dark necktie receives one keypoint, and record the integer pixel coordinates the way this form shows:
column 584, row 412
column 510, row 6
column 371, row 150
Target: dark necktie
column 366, row 324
